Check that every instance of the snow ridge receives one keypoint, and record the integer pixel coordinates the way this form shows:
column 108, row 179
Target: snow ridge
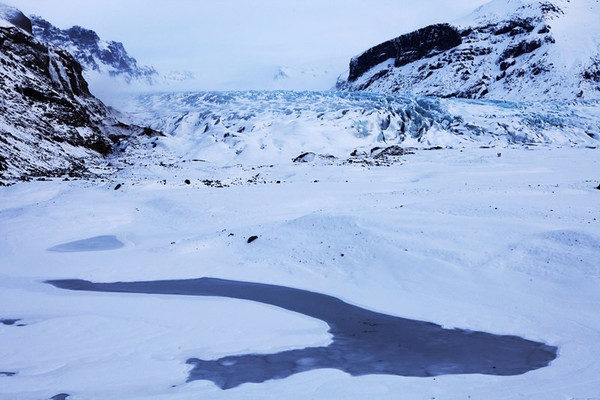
column 12, row 17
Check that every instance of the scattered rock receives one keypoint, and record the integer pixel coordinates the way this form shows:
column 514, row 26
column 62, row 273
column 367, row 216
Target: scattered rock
column 252, row 239
column 7, row 373
column 188, row 182
column 118, row 186
column 598, row 187
column 392, row 151
column 213, row 183
column 9, row 321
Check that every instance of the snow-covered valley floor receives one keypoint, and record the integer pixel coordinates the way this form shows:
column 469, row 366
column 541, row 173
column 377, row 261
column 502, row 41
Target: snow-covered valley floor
column 505, row 245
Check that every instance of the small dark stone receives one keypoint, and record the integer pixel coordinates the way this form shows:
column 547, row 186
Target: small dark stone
column 188, row 182
column 598, row 188
column 118, row 186
column 7, row 373
column 9, row 321
column 60, row 396
column 252, row 239
column 231, row 234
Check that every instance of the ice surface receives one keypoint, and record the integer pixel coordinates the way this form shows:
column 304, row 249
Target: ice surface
column 272, row 127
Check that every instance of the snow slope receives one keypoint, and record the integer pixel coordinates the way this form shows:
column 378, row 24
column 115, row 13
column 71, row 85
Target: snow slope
column 507, row 245
column 510, row 50
column 273, row 127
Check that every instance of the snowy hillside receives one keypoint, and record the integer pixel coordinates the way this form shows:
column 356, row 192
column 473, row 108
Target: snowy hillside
column 510, row 50
column 266, row 127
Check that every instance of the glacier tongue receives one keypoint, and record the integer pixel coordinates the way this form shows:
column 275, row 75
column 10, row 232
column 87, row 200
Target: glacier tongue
column 271, row 127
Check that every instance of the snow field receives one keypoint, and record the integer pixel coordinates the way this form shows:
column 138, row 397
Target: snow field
column 503, row 244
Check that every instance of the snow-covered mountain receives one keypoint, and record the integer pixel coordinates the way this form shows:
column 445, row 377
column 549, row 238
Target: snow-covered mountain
column 506, row 49
column 276, row 127
column 94, row 54
column 318, row 76
column 50, row 124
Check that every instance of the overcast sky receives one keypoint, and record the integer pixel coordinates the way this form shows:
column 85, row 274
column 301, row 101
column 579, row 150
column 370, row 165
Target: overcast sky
column 226, row 42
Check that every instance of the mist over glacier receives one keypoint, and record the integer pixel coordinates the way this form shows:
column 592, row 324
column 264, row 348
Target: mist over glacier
column 235, row 44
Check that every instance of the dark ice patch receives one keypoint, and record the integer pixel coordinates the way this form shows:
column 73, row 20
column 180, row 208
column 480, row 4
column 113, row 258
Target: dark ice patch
column 97, row 243
column 364, row 342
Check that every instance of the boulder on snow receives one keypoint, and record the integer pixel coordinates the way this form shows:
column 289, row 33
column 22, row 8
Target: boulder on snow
column 305, row 157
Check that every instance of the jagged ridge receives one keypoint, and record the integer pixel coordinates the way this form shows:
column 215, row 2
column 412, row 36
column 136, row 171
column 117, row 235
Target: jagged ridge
column 93, row 53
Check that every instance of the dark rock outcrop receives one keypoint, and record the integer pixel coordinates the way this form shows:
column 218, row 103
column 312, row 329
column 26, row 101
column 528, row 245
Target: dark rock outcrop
column 405, row 49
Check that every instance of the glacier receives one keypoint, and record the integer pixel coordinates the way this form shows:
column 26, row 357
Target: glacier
column 277, row 126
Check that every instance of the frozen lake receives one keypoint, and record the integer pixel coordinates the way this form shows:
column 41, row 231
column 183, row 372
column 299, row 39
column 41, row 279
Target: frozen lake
column 97, row 243
column 364, row 342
